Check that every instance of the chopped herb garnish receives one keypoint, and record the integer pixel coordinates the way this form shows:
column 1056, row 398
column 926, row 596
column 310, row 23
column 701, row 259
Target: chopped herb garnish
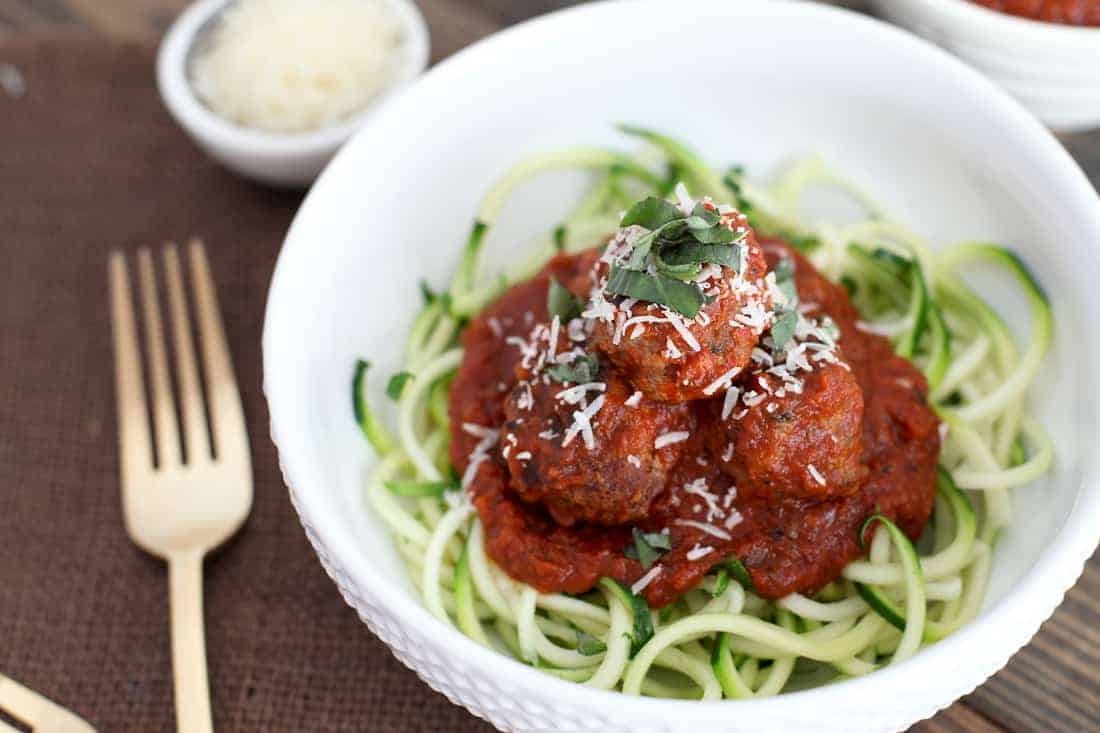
column 582, row 370
column 651, row 213
column 849, row 284
column 648, row 547
column 665, row 261
column 588, row 645
column 784, row 279
column 784, row 327
column 684, row 298
column 562, row 303
column 694, row 253
column 396, row 385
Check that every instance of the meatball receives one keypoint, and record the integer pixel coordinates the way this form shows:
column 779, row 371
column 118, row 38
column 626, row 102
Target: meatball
column 608, row 476
column 804, row 445
column 655, row 355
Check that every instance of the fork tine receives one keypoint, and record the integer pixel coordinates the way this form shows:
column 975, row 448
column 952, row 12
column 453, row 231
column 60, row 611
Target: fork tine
column 134, row 444
column 195, row 435
column 223, row 399
column 164, row 408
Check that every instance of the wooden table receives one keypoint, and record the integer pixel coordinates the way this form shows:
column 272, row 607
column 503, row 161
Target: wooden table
column 1052, row 685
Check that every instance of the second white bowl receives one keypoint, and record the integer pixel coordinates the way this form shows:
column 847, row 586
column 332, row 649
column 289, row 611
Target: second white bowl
column 1053, row 69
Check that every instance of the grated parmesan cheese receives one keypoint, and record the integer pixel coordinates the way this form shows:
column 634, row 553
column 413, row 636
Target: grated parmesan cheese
column 645, row 580
column 670, row 438
column 698, row 551
column 297, row 65
column 703, row 527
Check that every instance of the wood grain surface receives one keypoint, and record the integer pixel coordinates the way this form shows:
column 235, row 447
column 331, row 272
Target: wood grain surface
column 1051, row 685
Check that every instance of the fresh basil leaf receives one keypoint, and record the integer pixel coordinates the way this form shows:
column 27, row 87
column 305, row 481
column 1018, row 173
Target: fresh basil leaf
column 658, row 540
column 582, row 370
column 640, row 253
column 651, row 213
column 784, row 279
column 562, row 303
column 784, row 327
column 684, row 298
column 396, row 385
column 648, row 547
column 588, row 645
column 710, row 216
column 716, row 234
column 697, row 253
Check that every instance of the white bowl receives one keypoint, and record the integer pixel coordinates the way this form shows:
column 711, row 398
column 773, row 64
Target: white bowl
column 1053, row 69
column 281, row 159
column 751, row 82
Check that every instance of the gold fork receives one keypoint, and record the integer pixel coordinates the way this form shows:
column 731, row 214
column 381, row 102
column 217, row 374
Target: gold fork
column 34, row 710
column 194, row 495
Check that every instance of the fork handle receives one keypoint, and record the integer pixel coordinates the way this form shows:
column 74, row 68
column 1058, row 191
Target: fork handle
column 189, row 643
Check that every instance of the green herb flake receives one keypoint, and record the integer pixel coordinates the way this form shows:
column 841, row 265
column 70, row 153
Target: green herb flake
column 588, row 645
column 721, row 582
column 396, row 385
column 784, row 279
column 582, row 370
column 784, row 327
column 651, row 213
column 648, row 547
column 684, row 298
column 696, row 253
column 562, row 303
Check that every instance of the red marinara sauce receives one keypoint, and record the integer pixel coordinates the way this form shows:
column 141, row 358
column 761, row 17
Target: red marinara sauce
column 789, row 540
column 1067, row 12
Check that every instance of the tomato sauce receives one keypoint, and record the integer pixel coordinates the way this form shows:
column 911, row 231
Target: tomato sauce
column 1068, row 12
column 787, row 544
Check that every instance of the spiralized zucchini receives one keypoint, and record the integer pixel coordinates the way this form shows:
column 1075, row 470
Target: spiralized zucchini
column 721, row 639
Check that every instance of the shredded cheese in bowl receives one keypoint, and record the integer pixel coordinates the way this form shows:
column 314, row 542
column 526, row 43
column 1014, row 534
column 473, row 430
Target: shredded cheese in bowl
column 296, row 65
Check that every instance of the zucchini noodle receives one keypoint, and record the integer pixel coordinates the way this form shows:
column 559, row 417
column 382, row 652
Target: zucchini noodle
column 721, row 639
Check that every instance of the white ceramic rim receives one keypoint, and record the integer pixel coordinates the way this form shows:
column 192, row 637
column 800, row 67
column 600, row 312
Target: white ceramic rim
column 963, row 14
column 1054, row 572
column 190, row 112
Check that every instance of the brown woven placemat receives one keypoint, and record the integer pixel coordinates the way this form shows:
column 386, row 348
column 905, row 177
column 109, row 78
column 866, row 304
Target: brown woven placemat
column 90, row 161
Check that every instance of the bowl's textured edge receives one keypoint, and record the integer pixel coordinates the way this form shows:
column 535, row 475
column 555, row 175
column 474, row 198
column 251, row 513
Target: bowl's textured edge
column 488, row 700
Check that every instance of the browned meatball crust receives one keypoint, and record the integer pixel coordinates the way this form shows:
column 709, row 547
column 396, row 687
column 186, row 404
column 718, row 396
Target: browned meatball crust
column 805, row 445
column 656, row 357
column 611, row 480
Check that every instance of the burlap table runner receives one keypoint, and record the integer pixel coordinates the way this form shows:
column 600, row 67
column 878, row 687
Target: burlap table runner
column 89, row 161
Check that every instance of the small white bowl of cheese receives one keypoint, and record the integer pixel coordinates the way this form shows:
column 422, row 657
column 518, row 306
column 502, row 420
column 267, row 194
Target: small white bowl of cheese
column 273, row 88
